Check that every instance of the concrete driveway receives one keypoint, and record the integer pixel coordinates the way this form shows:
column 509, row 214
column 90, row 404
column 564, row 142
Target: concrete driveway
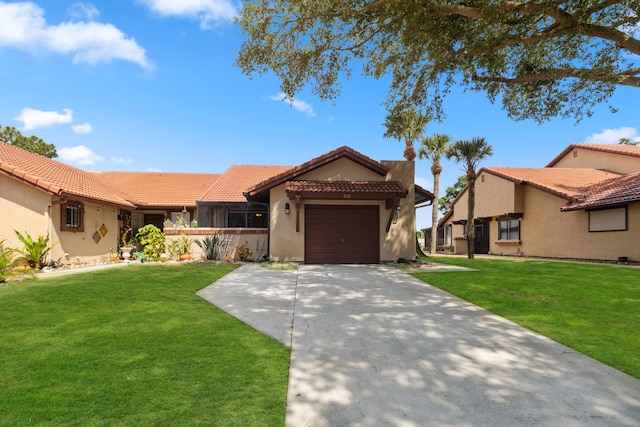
column 373, row 346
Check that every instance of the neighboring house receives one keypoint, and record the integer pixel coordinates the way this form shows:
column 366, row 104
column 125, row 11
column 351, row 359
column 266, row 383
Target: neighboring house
column 41, row 196
column 341, row 207
column 584, row 204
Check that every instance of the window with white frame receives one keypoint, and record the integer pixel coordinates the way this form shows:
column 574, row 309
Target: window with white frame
column 508, row 229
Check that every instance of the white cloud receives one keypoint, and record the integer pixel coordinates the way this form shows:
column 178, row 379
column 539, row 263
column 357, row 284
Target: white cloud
column 613, row 136
column 83, row 128
column 80, row 155
column 120, row 160
column 208, row 12
column 82, row 11
column 154, row 170
column 33, row 119
column 23, row 26
column 297, row 104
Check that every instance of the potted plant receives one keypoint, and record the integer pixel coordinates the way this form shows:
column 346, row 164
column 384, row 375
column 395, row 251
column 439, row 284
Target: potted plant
column 128, row 244
column 184, row 245
column 35, row 252
column 181, row 249
column 152, row 241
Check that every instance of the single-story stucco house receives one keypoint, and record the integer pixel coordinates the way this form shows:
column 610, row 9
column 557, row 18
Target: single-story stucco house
column 585, row 204
column 341, row 207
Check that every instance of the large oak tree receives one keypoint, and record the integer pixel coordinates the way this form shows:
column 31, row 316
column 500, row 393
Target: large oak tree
column 540, row 59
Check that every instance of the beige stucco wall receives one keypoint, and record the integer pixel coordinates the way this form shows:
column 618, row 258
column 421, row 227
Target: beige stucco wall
column 495, row 195
column 583, row 158
column 254, row 238
column 546, row 231
column 342, row 169
column 400, row 241
column 27, row 209
column 288, row 245
column 22, row 208
column 79, row 247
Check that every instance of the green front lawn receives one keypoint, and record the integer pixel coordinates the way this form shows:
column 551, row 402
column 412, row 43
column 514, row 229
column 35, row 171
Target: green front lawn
column 592, row 308
column 134, row 346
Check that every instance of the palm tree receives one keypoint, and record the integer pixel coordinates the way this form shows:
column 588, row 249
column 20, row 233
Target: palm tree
column 408, row 126
column 470, row 153
column 433, row 148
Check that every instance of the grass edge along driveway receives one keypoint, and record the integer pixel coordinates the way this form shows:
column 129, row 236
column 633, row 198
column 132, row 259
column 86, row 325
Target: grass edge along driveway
column 134, row 346
column 592, row 308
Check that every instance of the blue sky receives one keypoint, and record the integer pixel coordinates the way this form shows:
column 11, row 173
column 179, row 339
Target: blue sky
column 150, row 85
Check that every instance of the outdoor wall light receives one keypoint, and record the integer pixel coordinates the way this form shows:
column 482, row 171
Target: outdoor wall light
column 396, row 215
column 287, row 208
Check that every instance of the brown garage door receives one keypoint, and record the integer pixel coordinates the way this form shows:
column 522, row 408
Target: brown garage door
column 341, row 234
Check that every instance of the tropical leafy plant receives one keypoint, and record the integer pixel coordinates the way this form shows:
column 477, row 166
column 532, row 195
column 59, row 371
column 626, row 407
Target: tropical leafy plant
column 152, row 240
column 128, row 243
column 213, row 246
column 34, row 252
column 180, row 247
column 7, row 261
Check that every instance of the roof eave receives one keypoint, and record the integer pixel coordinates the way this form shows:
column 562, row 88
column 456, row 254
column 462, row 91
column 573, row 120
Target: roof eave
column 316, row 163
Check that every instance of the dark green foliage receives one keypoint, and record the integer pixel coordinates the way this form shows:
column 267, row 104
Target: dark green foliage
column 32, row 143
column 540, row 59
column 451, row 193
column 213, row 246
column 408, row 125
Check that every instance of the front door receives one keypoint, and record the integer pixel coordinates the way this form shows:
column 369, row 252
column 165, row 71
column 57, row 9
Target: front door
column 481, row 241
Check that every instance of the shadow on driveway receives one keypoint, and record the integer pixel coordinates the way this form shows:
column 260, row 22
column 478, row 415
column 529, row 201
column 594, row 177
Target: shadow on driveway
column 373, row 346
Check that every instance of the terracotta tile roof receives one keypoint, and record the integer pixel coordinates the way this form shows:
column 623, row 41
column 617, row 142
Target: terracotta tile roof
column 623, row 149
column 155, row 189
column 238, row 179
column 391, row 188
column 336, row 154
column 56, row 178
column 568, row 183
column 615, row 191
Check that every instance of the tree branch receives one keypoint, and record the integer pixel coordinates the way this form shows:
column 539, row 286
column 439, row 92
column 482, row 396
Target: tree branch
column 555, row 74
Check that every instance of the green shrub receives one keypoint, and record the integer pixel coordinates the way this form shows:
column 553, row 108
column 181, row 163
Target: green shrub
column 34, row 252
column 152, row 240
column 7, row 262
column 180, row 247
column 213, row 246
